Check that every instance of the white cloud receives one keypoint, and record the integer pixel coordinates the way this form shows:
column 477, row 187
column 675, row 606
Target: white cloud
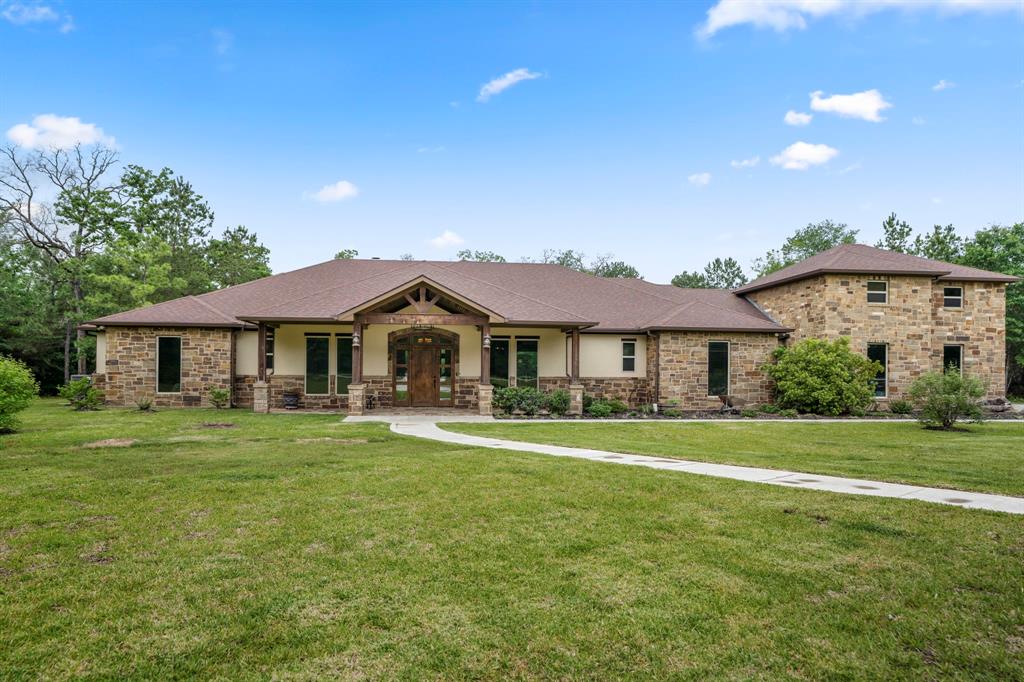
column 430, row 150
column 746, row 163
column 918, row 120
column 699, row 179
column 21, row 14
column 49, row 131
column 502, row 83
column 783, row 15
column 223, row 41
column 864, row 105
column 943, row 84
column 446, row 239
column 849, row 169
column 797, row 118
column 803, row 155
column 342, row 190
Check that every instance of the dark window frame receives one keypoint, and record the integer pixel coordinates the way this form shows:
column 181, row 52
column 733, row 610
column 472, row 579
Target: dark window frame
column 960, row 357
column 496, row 376
column 884, row 292
column 947, row 297
column 628, row 359
column 881, row 379
column 180, row 363
column 269, row 354
column 535, row 340
column 341, row 340
column 728, row 367
column 312, row 336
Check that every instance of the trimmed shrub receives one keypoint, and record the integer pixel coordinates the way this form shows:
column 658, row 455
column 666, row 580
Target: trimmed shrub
column 768, row 408
column 81, row 395
column 748, row 412
column 672, row 412
column 522, row 399
column 557, row 402
column 822, row 377
column 600, row 409
column 220, row 397
column 617, row 405
column 17, row 389
column 945, row 397
column 788, row 412
column 898, row 406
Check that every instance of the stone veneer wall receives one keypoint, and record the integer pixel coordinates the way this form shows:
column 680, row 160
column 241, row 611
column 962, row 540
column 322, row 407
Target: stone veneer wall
column 131, row 365
column 243, row 390
column 634, row 391
column 684, row 368
column 913, row 323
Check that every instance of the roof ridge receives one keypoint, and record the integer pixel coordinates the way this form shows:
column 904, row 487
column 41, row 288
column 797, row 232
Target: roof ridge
column 529, row 298
column 688, row 304
column 212, row 308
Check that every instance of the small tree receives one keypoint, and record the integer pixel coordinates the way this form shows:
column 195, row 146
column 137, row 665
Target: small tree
column 822, row 377
column 81, row 395
column 17, row 389
column 945, row 397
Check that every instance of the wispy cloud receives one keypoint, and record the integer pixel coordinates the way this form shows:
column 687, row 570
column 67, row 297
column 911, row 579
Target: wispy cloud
column 943, row 84
column 699, row 179
column 803, row 155
column 446, row 239
column 785, row 15
column 849, row 169
column 21, row 14
column 342, row 190
column 502, row 83
column 863, row 105
column 797, row 118
column 746, row 163
column 49, row 131
column 430, row 150
column 918, row 120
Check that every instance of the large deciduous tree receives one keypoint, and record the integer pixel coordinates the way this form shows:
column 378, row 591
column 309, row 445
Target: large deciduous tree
column 721, row 273
column 804, row 243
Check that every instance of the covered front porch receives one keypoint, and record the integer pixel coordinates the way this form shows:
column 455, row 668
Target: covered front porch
column 420, row 348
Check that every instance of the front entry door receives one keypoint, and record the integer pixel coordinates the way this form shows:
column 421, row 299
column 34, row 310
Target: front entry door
column 423, row 377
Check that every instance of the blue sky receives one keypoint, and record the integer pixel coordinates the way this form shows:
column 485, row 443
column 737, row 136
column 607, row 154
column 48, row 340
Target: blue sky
column 616, row 133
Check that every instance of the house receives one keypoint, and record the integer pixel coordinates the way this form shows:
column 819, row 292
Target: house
column 366, row 334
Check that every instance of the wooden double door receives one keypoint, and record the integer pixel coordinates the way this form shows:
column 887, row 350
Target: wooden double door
column 424, row 372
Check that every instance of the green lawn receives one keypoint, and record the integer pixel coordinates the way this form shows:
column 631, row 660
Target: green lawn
column 985, row 458
column 294, row 546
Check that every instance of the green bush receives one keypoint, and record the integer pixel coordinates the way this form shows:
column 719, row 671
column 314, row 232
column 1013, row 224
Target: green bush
column 220, row 397
column 788, row 412
column 672, row 412
column 898, row 406
column 822, row 377
column 144, row 404
column 599, row 409
column 522, row 399
column 81, row 394
column 617, row 405
column 749, row 412
column 557, row 402
column 945, row 397
column 17, row 389
column 768, row 408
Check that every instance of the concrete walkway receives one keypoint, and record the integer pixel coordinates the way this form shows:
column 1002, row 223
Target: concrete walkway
column 426, row 427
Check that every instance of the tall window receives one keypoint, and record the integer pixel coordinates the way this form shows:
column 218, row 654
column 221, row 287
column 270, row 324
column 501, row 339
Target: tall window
column 879, row 353
column 718, row 368
column 344, row 377
column 318, row 364
column 878, row 292
column 526, row 362
column 270, row 349
column 168, row 364
column 952, row 297
column 952, row 358
column 499, row 362
column 401, row 375
column 628, row 355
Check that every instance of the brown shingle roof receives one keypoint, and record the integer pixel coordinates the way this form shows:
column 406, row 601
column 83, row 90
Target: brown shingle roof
column 863, row 259
column 521, row 293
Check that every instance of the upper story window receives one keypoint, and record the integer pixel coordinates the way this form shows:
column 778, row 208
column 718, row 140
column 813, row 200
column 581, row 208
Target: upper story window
column 628, row 355
column 878, row 292
column 168, row 364
column 952, row 297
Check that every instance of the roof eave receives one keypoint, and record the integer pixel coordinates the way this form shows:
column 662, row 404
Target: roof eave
column 747, row 288
column 735, row 330
column 99, row 324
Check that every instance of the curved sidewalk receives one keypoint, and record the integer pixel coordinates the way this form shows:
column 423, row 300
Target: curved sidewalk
column 427, row 428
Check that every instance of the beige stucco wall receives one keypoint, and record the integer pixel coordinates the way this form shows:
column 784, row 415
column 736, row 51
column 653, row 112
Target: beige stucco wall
column 246, row 355
column 101, row 352
column 601, row 355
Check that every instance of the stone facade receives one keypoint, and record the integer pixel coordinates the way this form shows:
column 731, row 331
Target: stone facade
column 243, row 390
column 683, row 376
column 913, row 323
column 634, row 391
column 206, row 362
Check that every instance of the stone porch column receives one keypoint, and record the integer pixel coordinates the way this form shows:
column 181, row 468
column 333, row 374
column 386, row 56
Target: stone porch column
column 576, row 399
column 356, row 399
column 485, row 392
column 261, row 397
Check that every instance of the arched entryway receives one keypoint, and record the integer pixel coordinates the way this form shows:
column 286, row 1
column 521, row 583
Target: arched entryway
column 423, row 367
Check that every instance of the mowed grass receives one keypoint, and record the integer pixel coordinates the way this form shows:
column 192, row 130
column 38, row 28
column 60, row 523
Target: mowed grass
column 982, row 458
column 267, row 550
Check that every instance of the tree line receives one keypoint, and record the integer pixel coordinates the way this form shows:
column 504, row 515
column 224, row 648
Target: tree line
column 82, row 237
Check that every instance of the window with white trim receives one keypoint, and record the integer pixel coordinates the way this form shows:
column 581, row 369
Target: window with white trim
column 878, row 291
column 270, row 349
column 628, row 355
column 952, row 297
